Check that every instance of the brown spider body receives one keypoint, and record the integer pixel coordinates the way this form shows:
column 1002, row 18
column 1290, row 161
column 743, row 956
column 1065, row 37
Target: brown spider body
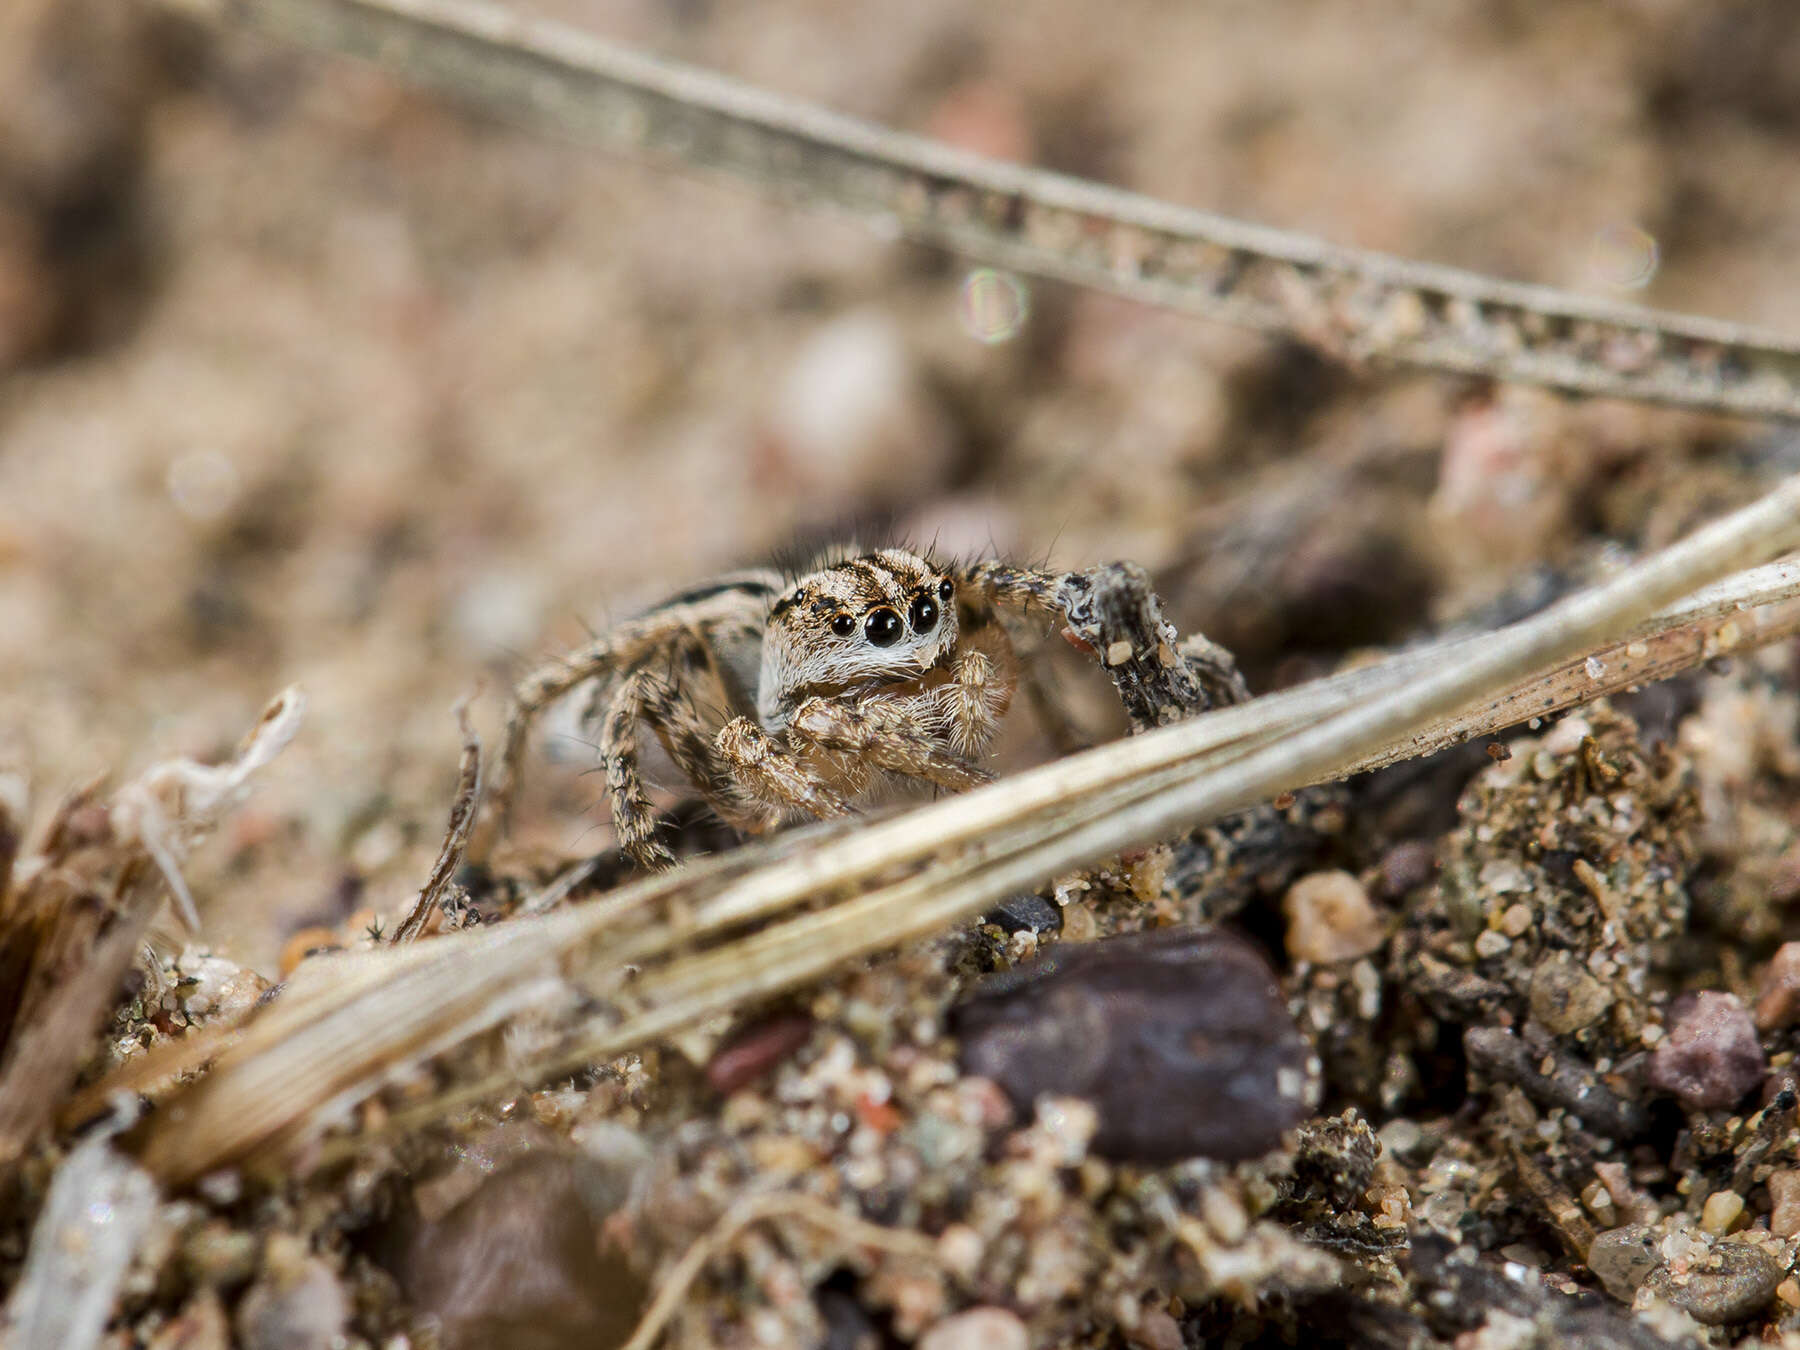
column 786, row 697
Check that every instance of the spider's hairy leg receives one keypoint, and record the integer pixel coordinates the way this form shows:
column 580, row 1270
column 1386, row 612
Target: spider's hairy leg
column 1021, row 590
column 634, row 818
column 1111, row 612
column 742, row 598
column 673, row 713
column 888, row 733
column 771, row 773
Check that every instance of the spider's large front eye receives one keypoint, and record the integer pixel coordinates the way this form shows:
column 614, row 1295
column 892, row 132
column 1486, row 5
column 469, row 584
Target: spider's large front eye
column 883, row 627
column 923, row 614
column 843, row 625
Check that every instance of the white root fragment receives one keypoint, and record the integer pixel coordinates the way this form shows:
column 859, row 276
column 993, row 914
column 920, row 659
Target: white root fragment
column 99, row 1208
column 173, row 805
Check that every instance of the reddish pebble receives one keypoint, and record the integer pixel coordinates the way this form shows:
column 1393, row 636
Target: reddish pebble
column 1784, row 1202
column 1778, row 991
column 878, row 1116
column 1711, row 1056
column 756, row 1050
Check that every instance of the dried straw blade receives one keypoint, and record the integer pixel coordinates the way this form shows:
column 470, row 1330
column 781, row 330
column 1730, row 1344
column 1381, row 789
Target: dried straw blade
column 1348, row 303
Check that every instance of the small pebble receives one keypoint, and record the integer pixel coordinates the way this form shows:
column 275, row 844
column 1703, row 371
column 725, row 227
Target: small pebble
column 297, row 1305
column 1599, row 1202
column 219, row 987
column 1405, row 867
column 1711, row 1056
column 1027, row 912
column 1789, row 1293
column 978, row 1329
column 1735, row 1281
column 1331, row 918
column 1516, row 921
column 1565, row 998
column 755, row 1050
column 1622, row 1259
column 201, row 1325
column 1784, row 1193
column 1490, row 944
column 219, row 1256
column 1778, row 989
column 1155, row 1330
column 1190, row 1020
column 307, row 942
column 1722, row 1209
column 523, row 1261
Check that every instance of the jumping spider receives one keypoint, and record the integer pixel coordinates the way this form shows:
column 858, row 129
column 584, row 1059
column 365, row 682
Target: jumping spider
column 860, row 673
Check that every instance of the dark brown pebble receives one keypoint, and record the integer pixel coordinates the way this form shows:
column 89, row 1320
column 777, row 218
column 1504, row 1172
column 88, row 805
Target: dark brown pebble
column 298, row 1306
column 1026, row 913
column 522, row 1264
column 755, row 1050
column 1711, row 1056
column 1406, row 867
column 1179, row 1038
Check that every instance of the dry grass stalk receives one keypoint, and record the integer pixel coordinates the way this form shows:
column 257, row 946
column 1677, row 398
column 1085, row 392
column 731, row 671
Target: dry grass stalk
column 1350, row 304
column 456, row 839
column 831, row 895
column 851, row 1232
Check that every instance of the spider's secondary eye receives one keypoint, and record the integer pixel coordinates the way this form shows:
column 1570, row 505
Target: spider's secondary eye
column 843, row 625
column 882, row 627
column 924, row 614
column 945, row 590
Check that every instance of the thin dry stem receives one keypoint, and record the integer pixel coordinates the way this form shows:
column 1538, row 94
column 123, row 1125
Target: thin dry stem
column 755, row 1209
column 456, row 838
column 1352, row 305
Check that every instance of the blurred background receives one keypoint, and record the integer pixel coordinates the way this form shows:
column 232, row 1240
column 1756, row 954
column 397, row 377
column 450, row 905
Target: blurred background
column 309, row 377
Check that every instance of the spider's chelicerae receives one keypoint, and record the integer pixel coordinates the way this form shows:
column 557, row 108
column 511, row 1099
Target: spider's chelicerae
column 782, row 696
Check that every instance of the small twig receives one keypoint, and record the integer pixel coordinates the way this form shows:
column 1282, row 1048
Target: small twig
column 1351, row 304
column 456, row 838
column 562, row 886
column 755, row 1209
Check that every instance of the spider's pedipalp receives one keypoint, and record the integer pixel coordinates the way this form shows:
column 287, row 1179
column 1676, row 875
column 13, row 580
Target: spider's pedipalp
column 979, row 691
column 887, row 733
column 773, row 774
